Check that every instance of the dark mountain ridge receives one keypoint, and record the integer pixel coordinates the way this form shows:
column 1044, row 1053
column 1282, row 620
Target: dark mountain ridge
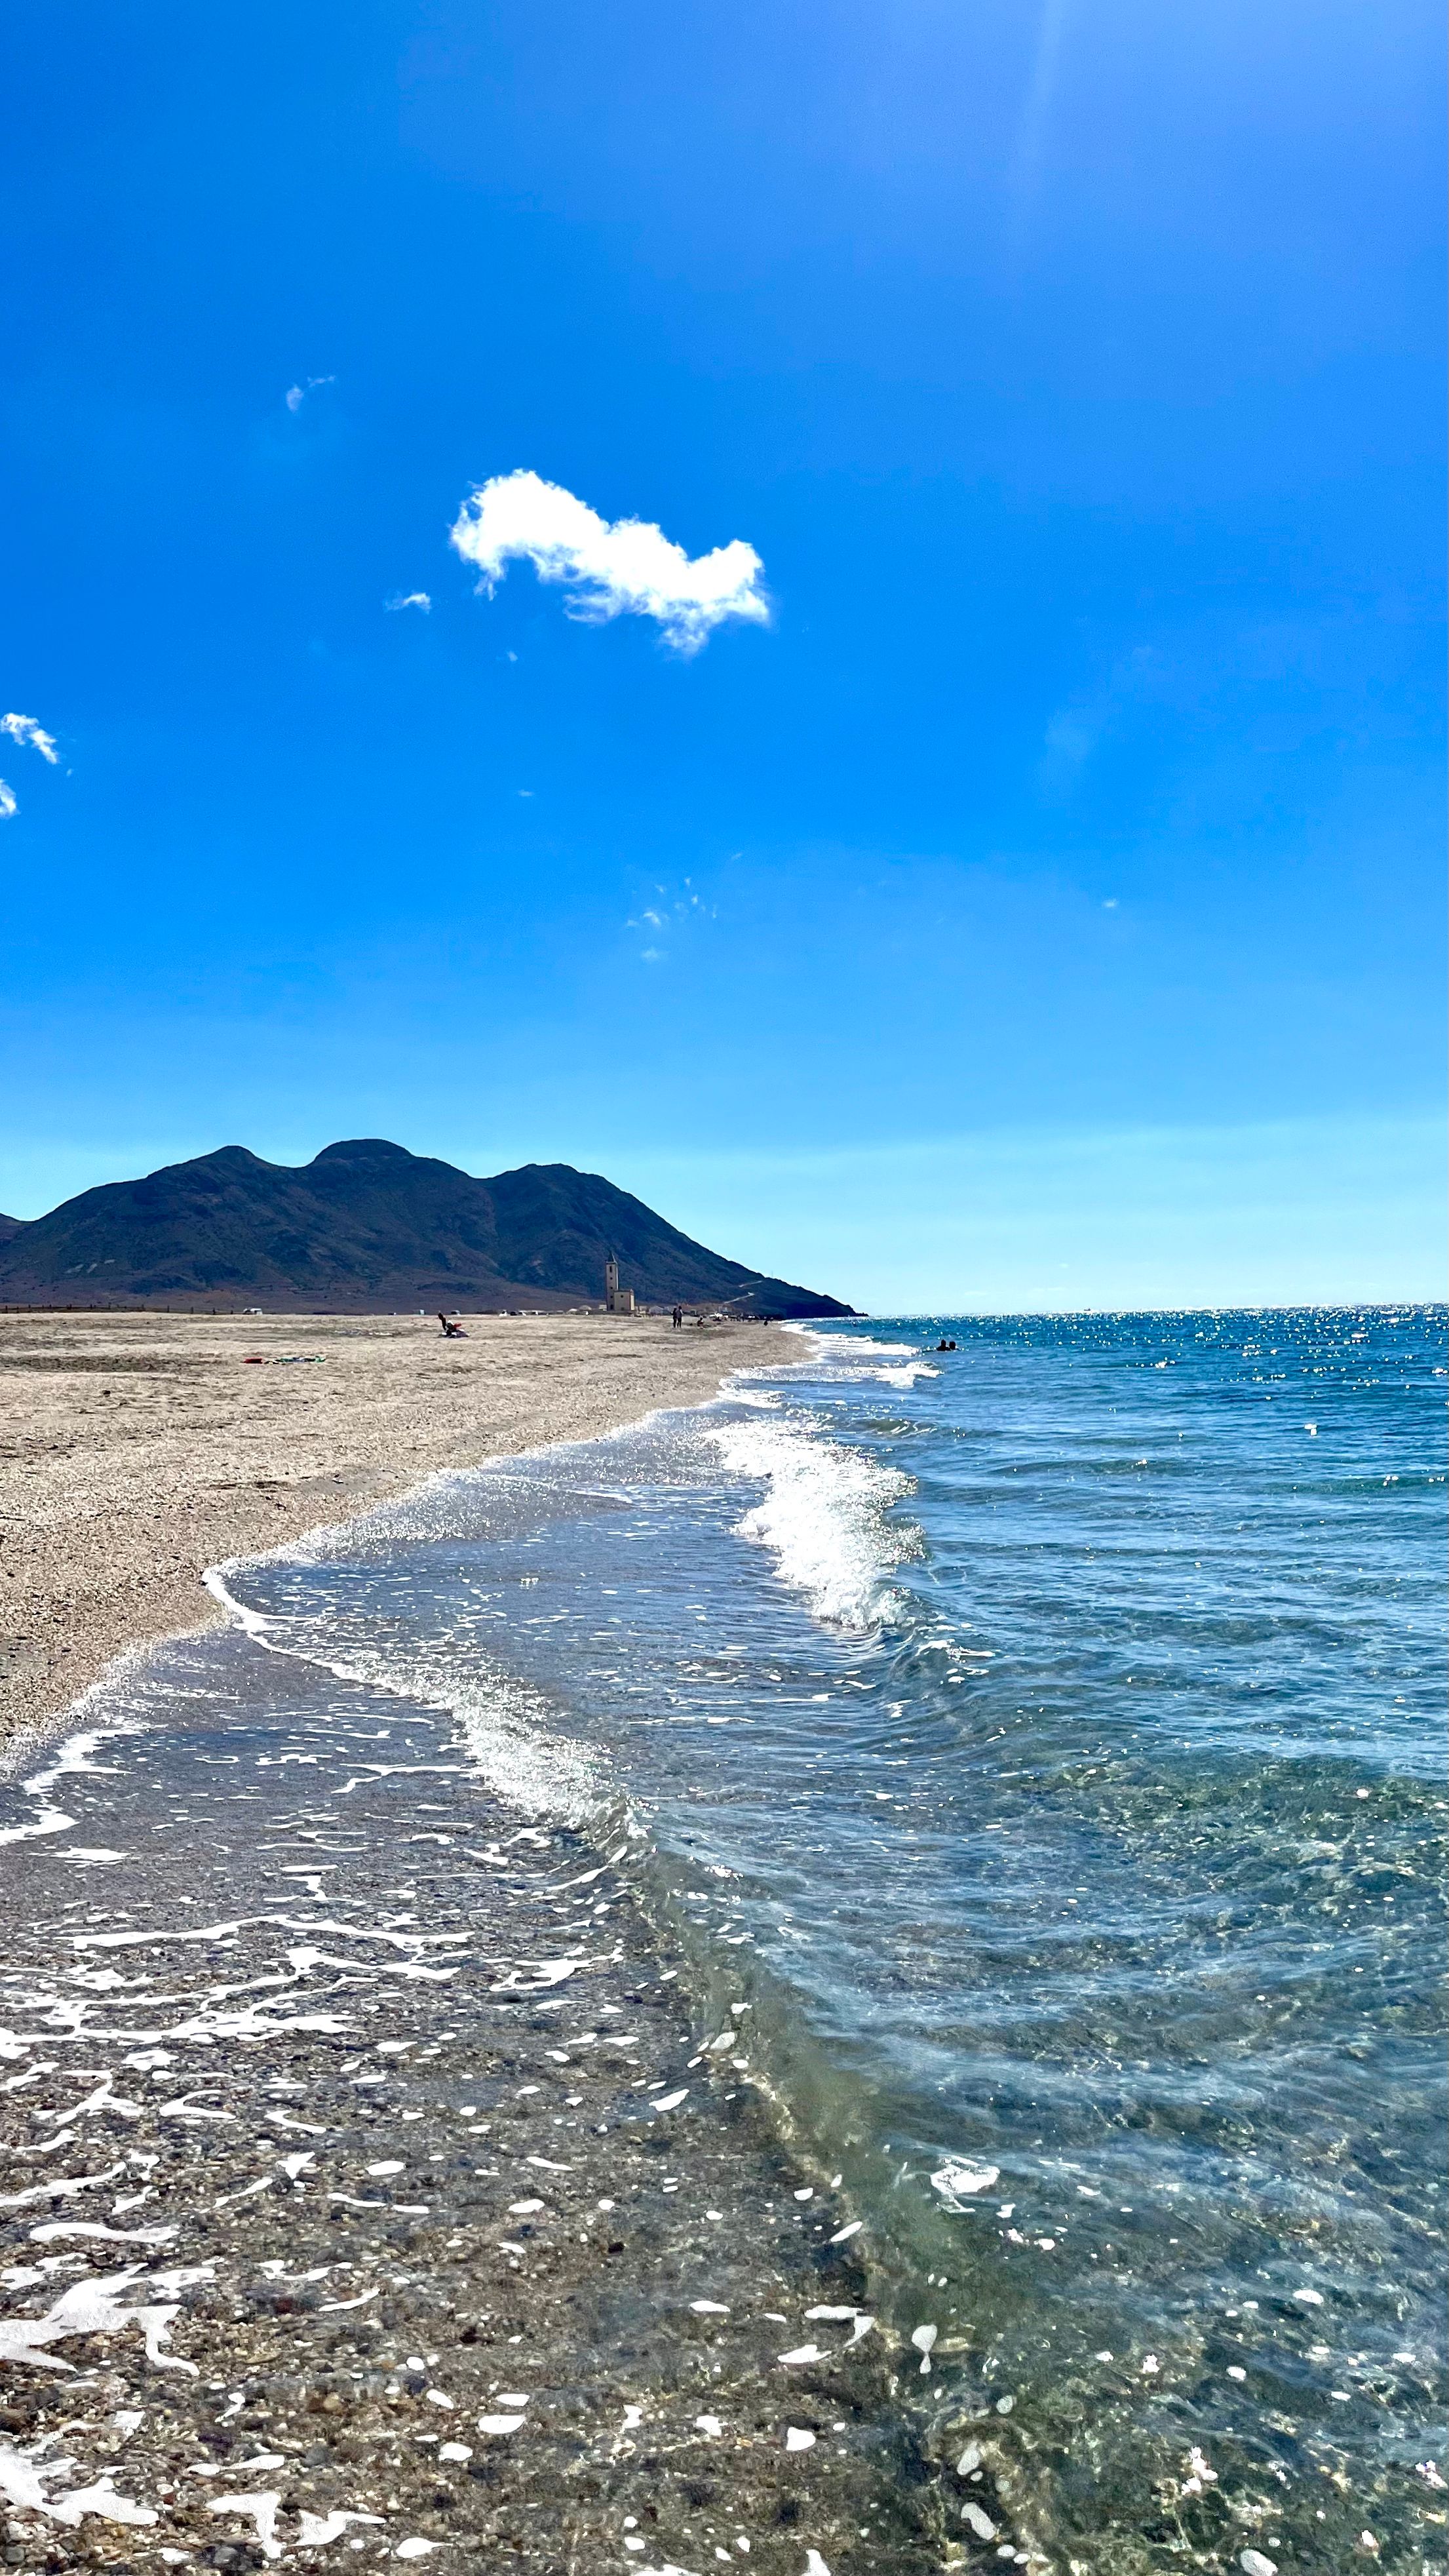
column 369, row 1227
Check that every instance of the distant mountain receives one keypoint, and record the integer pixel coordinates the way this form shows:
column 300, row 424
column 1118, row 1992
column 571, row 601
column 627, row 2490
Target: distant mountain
column 366, row 1227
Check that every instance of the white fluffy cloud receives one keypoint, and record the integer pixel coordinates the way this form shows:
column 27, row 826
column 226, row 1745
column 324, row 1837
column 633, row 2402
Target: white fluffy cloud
column 296, row 395
column 410, row 599
column 612, row 568
column 25, row 729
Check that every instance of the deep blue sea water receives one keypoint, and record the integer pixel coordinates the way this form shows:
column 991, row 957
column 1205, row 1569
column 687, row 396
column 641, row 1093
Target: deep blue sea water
column 1041, row 1746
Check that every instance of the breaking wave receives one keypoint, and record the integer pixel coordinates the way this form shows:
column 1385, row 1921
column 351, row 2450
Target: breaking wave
column 826, row 1515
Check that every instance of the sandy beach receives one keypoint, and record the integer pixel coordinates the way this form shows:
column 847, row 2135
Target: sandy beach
column 377, row 2180
column 137, row 1449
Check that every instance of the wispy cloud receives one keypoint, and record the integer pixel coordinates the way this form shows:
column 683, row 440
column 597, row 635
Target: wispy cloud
column 410, row 599
column 669, row 916
column 25, row 731
column 296, row 395
column 612, row 567
column 1074, row 732
column 1031, row 138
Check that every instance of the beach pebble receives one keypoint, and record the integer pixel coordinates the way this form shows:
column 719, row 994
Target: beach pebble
column 1253, row 2563
column 815, row 2564
column 455, row 2451
column 709, row 2425
column 708, row 2308
column 970, row 2459
column 391, row 2167
column 803, row 2352
column 416, row 2548
column 797, row 2439
column 523, row 2208
column 499, row 2423
column 979, row 2520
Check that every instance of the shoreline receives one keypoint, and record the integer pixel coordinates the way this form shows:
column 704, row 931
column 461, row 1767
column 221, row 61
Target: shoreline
column 455, row 2243
column 687, row 2408
column 137, row 1450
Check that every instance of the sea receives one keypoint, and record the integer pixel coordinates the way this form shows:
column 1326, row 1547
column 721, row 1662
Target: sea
column 1031, row 1731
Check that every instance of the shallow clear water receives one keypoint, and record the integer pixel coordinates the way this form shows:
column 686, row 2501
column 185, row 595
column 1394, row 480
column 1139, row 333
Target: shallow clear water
column 1045, row 1740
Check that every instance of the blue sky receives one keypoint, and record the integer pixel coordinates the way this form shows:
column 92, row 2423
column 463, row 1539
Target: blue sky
column 1044, row 907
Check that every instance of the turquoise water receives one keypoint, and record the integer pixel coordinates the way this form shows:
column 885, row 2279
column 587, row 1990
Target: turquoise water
column 1040, row 1744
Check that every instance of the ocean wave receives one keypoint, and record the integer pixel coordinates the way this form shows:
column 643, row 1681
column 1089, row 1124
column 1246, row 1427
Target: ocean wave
column 507, row 1726
column 850, row 1359
column 825, row 1515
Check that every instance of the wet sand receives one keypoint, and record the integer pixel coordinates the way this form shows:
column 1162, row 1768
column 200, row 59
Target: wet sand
column 371, row 2191
column 135, row 1450
column 372, row 2187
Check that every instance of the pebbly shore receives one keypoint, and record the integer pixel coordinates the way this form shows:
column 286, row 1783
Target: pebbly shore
column 372, row 2188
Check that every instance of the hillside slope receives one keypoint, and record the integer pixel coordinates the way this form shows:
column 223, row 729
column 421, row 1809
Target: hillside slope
column 369, row 1226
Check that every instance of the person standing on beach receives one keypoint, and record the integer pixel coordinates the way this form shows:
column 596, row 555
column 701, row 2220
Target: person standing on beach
column 677, row 1318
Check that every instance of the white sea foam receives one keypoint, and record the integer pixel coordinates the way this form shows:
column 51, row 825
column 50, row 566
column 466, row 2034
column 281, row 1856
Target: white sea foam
column 824, row 1515
column 854, row 1358
column 72, row 1755
column 506, row 1726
